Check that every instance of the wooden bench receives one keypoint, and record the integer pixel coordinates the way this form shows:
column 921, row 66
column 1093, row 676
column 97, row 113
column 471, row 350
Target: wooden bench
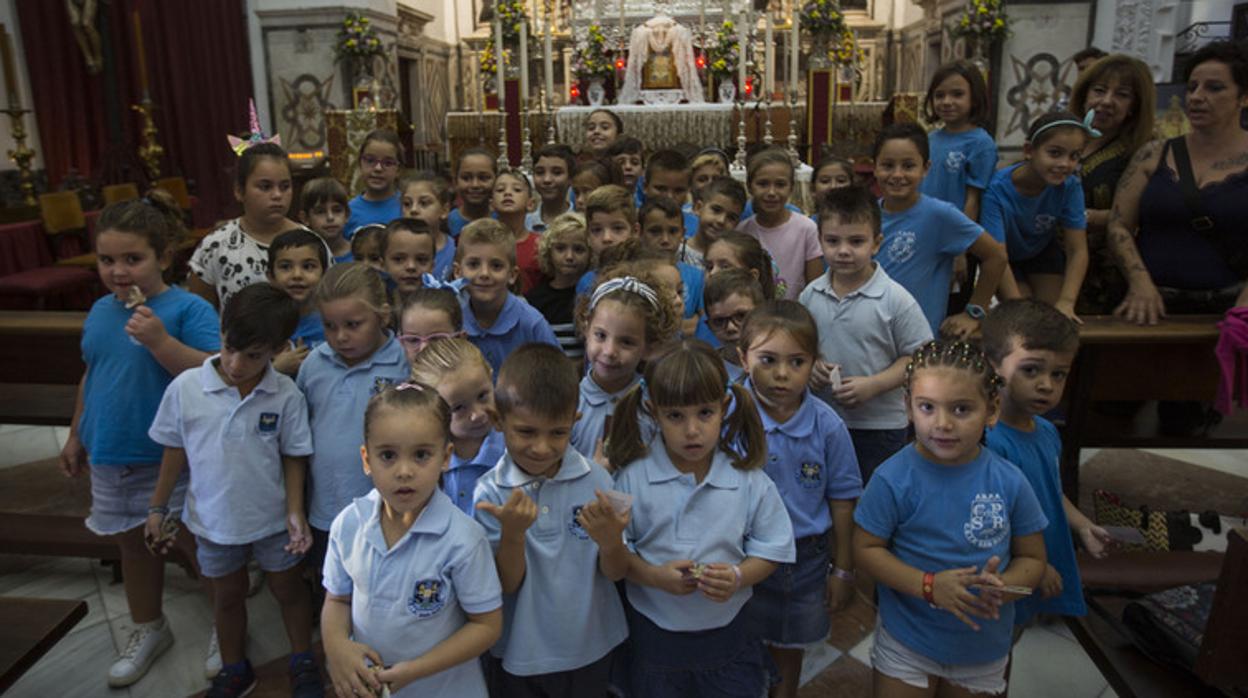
column 40, row 366
column 31, row 628
column 1121, row 361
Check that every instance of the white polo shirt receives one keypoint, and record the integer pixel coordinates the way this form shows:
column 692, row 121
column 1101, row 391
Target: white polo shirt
column 234, row 450
column 865, row 332
column 566, row 613
column 731, row 515
column 408, row 598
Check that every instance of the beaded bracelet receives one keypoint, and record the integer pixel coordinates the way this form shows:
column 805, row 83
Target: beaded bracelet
column 929, row 587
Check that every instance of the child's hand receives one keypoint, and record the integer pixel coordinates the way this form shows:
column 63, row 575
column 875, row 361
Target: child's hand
column 349, row 674
column 392, row 676
column 719, row 581
column 145, row 327
column 1050, row 583
column 300, row 533
column 516, row 515
column 291, row 358
column 1068, row 309
column 951, row 593
column 73, row 457
column 959, row 326
column 159, row 534
column 821, row 375
column 855, row 390
column 675, row 577
column 602, row 522
column 1095, row 539
column 838, row 593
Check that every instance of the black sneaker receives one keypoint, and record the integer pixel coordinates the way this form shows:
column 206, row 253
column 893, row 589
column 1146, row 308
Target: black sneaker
column 229, row 684
column 305, row 679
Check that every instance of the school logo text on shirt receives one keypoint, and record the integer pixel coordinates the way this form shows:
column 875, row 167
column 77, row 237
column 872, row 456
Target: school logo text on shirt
column 1045, row 224
column 810, row 475
column 267, row 423
column 575, row 527
column 428, row 597
column 989, row 524
column 954, row 161
column 901, row 247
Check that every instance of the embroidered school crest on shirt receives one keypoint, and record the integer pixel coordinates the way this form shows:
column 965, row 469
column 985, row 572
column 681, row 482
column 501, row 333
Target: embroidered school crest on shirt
column 988, row 524
column 954, row 161
column 1045, row 224
column 901, row 248
column 380, row 383
column 428, row 597
column 575, row 527
column 810, row 475
column 267, row 423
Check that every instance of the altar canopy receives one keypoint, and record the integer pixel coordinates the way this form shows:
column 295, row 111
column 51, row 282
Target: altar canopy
column 660, row 58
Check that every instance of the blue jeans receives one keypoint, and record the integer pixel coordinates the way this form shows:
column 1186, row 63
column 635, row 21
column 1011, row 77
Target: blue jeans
column 788, row 607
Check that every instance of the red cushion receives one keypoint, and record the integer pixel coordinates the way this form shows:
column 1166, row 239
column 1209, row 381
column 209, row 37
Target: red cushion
column 45, row 281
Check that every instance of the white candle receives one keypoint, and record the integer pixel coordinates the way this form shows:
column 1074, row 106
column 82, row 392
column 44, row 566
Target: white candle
column 498, row 62
column 524, row 62
column 795, row 42
column 741, row 39
column 621, row 17
column 769, row 59
column 549, row 62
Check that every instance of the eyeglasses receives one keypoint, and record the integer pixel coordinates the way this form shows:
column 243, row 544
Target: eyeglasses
column 720, row 322
column 418, row 341
column 386, row 163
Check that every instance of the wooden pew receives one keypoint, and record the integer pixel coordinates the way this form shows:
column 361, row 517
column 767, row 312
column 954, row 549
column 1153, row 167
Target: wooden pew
column 1120, row 361
column 40, row 366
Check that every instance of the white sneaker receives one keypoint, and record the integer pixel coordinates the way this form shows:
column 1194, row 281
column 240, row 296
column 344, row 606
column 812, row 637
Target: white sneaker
column 146, row 643
column 212, row 664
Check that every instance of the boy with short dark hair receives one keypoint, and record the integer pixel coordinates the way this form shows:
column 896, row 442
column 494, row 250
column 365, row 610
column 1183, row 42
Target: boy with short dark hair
column 668, row 174
column 552, row 180
column 242, row 430
column 1032, row 346
column 324, row 207
column 626, row 152
column 869, row 326
column 729, row 298
column 717, row 208
column 297, row 260
column 662, row 230
column 610, row 218
column 557, row 537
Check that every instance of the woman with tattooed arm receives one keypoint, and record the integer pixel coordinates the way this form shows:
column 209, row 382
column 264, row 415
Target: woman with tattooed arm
column 1188, row 197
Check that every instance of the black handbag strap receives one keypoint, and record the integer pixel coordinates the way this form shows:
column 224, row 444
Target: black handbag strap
column 1201, row 223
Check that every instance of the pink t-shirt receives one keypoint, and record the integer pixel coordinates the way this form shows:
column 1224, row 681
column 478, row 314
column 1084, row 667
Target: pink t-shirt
column 791, row 245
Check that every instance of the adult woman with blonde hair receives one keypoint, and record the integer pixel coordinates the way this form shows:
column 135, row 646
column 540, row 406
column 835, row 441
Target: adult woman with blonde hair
column 1119, row 90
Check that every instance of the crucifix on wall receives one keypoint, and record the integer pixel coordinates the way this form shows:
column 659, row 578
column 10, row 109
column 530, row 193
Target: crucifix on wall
column 82, row 20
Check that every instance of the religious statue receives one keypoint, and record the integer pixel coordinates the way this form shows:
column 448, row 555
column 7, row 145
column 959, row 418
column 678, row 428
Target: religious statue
column 82, row 20
column 660, row 57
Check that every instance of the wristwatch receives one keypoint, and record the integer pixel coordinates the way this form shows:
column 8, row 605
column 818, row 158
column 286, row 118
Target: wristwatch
column 976, row 312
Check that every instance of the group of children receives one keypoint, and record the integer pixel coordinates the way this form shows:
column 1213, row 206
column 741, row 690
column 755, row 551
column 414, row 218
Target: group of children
column 557, row 435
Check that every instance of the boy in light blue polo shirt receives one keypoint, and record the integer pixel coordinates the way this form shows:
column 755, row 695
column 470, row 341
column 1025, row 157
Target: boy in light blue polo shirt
column 495, row 319
column 241, row 428
column 557, row 538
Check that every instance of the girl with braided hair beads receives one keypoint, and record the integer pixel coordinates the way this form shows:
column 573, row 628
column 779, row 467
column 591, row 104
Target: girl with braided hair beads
column 951, row 532
column 623, row 319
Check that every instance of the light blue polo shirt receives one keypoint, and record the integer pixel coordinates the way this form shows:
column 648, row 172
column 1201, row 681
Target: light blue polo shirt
column 919, row 247
column 866, row 332
column 310, row 329
column 234, row 450
column 566, row 613
column 114, row 423
column 938, row 517
column 408, row 598
column 731, row 515
column 444, row 259
column 811, row 459
column 519, row 323
column 337, row 395
column 594, row 405
column 460, row 479
column 1027, row 224
column 959, row 160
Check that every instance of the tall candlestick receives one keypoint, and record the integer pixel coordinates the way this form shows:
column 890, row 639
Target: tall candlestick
column 10, row 69
column 769, row 63
column 742, row 37
column 524, row 61
column 549, row 61
column 138, row 42
column 498, row 61
column 795, row 43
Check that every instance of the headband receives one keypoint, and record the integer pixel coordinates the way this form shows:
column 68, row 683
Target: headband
column 239, row 145
column 629, row 284
column 1086, row 125
column 410, row 385
column 454, row 285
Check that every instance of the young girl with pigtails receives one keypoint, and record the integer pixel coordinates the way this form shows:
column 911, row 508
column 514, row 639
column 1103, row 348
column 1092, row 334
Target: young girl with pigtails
column 706, row 525
column 951, row 532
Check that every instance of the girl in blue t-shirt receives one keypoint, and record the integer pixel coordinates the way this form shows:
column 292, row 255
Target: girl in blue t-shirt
column 474, row 185
column 944, row 525
column 381, row 155
column 1036, row 208
column 134, row 341
column 811, row 459
column 706, row 525
column 964, row 156
column 427, row 196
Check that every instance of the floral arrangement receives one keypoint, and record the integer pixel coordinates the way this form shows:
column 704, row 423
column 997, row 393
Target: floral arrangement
column 590, row 60
column 722, row 55
column 509, row 13
column 823, row 17
column 983, row 20
column 487, row 63
column 356, row 39
column 846, row 51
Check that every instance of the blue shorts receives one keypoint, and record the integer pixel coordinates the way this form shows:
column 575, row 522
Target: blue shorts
column 725, row 662
column 788, row 607
column 121, row 494
column 874, row 446
column 216, row 560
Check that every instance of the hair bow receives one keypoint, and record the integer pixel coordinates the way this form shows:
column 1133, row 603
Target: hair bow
column 453, row 285
column 239, row 145
column 629, row 284
column 1086, row 125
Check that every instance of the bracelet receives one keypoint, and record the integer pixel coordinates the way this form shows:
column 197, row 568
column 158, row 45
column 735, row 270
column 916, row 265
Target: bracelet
column 162, row 510
column 844, row 575
column 736, row 569
column 929, row 584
